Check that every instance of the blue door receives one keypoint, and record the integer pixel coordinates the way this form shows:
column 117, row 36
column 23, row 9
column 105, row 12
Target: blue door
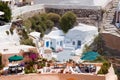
column 79, row 44
column 47, row 43
column 61, row 43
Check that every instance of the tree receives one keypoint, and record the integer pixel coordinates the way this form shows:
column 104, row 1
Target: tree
column 86, row 48
column 54, row 17
column 67, row 21
column 7, row 11
column 1, row 65
column 49, row 24
column 27, row 42
column 27, row 23
column 99, row 44
column 104, row 68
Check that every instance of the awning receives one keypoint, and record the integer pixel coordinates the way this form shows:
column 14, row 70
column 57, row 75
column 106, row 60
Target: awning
column 15, row 58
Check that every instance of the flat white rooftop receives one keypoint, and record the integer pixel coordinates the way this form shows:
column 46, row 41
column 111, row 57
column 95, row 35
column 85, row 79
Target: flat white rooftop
column 95, row 3
column 14, row 49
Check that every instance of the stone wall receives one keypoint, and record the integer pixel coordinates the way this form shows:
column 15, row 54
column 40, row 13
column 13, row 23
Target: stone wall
column 5, row 57
column 112, row 44
column 31, row 13
column 27, row 11
column 78, row 12
column 89, row 16
column 94, row 14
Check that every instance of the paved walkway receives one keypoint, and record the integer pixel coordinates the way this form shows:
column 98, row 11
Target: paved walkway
column 111, row 75
column 108, row 26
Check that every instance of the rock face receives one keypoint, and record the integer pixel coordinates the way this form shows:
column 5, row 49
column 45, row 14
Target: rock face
column 112, row 44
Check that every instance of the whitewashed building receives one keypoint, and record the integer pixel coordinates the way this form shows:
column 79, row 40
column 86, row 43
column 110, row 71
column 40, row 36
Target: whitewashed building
column 35, row 36
column 54, row 40
column 73, row 39
column 80, row 35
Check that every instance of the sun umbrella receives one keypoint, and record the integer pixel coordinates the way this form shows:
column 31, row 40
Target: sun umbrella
column 15, row 58
column 90, row 56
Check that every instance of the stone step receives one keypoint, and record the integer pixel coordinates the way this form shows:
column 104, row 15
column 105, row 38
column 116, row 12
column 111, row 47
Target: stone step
column 109, row 18
column 115, row 4
column 109, row 30
column 110, row 21
column 118, row 32
column 110, row 27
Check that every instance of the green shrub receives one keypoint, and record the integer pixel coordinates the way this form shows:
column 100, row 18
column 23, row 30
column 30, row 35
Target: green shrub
column 53, row 17
column 86, row 48
column 26, row 71
column 24, row 34
column 106, row 64
column 27, row 42
column 31, row 70
column 49, row 24
column 67, row 21
column 27, row 23
column 11, row 31
column 7, row 11
column 7, row 32
column 104, row 68
column 1, row 65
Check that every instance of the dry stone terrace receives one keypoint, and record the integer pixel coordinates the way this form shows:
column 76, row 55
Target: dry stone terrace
column 82, row 11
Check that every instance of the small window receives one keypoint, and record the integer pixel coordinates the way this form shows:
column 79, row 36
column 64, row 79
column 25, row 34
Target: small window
column 73, row 42
column 61, row 43
column 79, row 43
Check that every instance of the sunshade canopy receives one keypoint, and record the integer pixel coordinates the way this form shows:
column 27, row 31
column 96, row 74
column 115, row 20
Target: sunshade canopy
column 15, row 58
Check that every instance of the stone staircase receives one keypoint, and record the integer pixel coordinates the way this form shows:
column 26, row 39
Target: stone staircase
column 108, row 25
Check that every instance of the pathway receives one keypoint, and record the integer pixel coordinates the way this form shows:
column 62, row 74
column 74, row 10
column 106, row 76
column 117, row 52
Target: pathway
column 111, row 74
column 108, row 26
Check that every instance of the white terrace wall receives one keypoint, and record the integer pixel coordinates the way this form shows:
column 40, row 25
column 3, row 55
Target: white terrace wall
column 102, row 3
column 27, row 11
